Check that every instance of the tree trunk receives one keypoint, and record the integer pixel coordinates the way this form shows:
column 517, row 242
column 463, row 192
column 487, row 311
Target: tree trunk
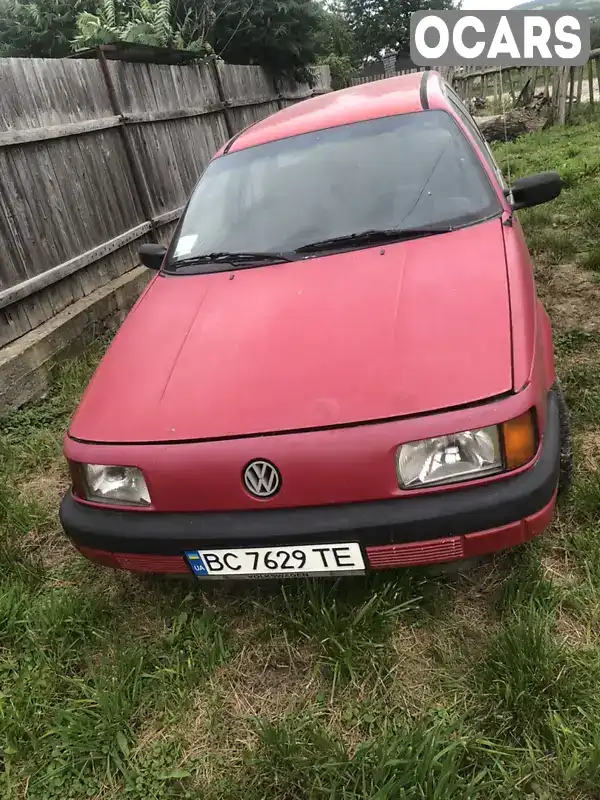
column 509, row 126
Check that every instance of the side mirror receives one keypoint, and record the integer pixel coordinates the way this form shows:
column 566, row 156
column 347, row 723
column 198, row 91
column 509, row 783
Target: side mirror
column 535, row 190
column 152, row 255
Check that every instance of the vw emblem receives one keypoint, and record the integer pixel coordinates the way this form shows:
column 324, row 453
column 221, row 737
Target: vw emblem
column 262, row 479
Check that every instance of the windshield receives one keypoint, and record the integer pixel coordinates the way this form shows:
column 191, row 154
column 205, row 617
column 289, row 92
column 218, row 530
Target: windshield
column 404, row 172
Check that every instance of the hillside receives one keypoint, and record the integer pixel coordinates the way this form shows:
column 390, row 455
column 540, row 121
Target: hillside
column 591, row 6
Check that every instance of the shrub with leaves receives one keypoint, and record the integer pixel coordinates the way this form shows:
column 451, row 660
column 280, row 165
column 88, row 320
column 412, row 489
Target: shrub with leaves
column 143, row 22
column 341, row 70
column 279, row 35
column 43, row 28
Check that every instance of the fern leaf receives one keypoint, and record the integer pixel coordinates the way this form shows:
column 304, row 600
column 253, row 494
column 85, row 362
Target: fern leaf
column 110, row 13
column 145, row 10
column 162, row 21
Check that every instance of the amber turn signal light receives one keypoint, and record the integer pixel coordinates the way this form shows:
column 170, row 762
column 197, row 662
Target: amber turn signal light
column 520, row 440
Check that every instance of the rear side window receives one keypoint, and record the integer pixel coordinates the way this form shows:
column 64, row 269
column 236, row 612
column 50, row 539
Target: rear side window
column 470, row 124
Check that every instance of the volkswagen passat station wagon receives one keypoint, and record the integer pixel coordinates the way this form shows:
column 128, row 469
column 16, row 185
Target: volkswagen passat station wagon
column 341, row 364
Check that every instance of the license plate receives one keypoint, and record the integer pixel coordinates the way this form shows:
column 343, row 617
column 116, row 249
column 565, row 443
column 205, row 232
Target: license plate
column 270, row 562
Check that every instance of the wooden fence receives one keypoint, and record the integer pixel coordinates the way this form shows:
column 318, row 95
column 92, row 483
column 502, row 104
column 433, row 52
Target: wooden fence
column 501, row 89
column 360, row 79
column 98, row 156
column 565, row 87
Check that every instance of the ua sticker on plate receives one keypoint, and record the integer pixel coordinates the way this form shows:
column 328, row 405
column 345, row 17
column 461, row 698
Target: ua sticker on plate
column 263, row 562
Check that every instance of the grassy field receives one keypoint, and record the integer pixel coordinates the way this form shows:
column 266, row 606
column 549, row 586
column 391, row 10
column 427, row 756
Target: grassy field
column 404, row 685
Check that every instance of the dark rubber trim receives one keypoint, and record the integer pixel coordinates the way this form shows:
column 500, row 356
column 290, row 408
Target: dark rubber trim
column 236, row 136
column 409, row 519
column 423, row 90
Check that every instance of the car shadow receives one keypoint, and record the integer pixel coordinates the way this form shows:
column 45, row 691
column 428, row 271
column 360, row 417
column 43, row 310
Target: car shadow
column 425, row 585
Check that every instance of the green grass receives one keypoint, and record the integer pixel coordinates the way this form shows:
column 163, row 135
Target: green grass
column 566, row 229
column 403, row 685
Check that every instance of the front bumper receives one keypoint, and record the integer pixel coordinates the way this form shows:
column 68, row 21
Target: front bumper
column 442, row 527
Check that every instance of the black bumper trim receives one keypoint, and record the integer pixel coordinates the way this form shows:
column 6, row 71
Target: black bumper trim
column 407, row 519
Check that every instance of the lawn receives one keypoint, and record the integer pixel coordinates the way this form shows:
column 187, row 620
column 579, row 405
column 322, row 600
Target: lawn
column 407, row 684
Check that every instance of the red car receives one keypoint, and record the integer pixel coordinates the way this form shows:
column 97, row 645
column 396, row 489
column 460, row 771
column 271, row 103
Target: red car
column 341, row 364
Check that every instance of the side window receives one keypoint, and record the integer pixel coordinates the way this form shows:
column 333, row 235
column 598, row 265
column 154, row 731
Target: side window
column 471, row 125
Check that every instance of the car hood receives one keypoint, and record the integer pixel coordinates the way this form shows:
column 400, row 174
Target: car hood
column 377, row 333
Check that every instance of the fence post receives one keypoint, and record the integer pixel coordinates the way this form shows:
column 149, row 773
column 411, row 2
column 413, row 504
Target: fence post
column 563, row 88
column 579, row 85
column 511, row 88
column 136, row 173
column 279, row 99
column 555, row 94
column 571, row 91
column 229, row 126
column 534, row 77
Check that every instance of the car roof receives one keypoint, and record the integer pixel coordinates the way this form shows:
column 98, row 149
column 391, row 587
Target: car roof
column 402, row 94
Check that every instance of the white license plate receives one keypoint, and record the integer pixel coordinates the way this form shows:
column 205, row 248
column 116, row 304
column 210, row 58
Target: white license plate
column 261, row 562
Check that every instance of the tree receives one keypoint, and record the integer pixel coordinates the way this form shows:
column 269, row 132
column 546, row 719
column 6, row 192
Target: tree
column 277, row 34
column 280, row 35
column 383, row 26
column 43, row 28
column 334, row 35
column 337, row 46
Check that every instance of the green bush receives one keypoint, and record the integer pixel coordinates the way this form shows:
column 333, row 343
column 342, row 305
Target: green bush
column 341, row 70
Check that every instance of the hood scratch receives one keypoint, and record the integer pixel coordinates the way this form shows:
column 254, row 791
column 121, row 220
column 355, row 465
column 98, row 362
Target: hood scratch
column 184, row 340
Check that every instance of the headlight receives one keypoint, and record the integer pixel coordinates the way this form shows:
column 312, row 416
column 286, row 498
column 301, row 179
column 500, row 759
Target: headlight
column 114, row 484
column 445, row 459
column 467, row 455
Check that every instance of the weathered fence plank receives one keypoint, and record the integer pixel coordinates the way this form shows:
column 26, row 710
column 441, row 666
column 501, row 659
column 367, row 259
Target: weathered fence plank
column 251, row 94
column 56, row 131
column 46, row 92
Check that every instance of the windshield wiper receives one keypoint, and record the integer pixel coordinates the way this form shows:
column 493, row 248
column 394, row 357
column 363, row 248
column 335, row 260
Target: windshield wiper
column 372, row 237
column 231, row 258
